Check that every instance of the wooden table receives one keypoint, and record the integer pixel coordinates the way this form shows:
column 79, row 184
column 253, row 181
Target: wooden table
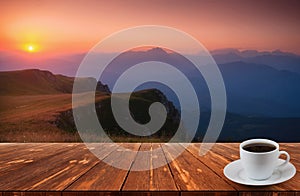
column 71, row 169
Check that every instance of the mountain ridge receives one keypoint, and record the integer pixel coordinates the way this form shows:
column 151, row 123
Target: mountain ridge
column 276, row 59
column 35, row 81
column 252, row 88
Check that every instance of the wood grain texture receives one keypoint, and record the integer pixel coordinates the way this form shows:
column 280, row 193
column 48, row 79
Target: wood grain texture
column 91, row 193
column 72, row 169
column 162, row 176
column 106, row 177
column 47, row 168
column 209, row 193
column 190, row 174
column 29, row 154
column 265, row 193
column 147, row 193
column 30, row 193
column 150, row 179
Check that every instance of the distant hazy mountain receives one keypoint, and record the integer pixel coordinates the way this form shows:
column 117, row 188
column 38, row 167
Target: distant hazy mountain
column 255, row 89
column 252, row 89
column 276, row 59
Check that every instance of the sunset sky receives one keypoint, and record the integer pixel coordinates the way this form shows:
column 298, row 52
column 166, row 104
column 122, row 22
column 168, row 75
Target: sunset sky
column 75, row 26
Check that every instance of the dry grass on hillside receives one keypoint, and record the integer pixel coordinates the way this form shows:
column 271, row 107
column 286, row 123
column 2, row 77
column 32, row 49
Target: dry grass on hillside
column 30, row 118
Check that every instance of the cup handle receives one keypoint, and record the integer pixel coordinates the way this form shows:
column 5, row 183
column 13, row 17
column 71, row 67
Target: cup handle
column 287, row 158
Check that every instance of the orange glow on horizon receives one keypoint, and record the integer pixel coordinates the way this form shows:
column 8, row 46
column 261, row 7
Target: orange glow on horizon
column 76, row 27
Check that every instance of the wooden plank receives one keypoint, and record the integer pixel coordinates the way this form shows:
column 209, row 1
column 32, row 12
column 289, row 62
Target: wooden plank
column 209, row 193
column 73, row 168
column 140, row 180
column 21, row 158
column 230, row 152
column 108, row 178
column 29, row 193
column 7, row 148
column 264, row 193
column 150, row 179
column 16, row 163
column 153, row 193
column 162, row 176
column 56, row 167
column 91, row 193
column 9, row 152
column 117, row 193
column 192, row 175
column 46, row 168
column 213, row 161
column 294, row 147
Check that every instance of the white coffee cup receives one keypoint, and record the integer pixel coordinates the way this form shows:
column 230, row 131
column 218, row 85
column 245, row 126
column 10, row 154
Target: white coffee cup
column 261, row 165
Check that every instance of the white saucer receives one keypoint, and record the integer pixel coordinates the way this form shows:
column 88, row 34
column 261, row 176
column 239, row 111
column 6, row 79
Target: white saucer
column 234, row 172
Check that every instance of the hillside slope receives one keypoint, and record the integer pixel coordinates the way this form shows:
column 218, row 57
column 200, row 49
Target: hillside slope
column 36, row 82
column 36, row 106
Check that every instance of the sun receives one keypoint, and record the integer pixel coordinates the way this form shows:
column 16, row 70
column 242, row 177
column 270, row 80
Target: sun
column 30, row 48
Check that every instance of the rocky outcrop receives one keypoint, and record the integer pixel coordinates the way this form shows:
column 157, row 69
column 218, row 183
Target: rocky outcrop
column 139, row 105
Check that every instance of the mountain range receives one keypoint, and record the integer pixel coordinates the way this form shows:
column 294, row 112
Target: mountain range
column 263, row 89
column 253, row 89
column 276, row 59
